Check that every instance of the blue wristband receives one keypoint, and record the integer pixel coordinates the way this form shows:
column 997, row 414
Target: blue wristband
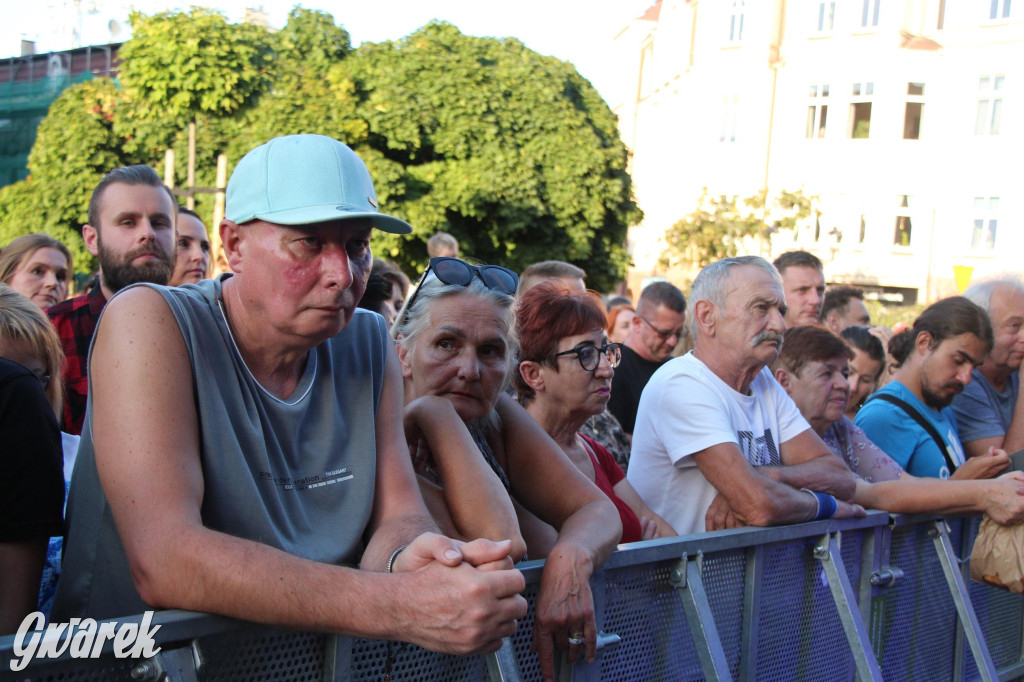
column 827, row 505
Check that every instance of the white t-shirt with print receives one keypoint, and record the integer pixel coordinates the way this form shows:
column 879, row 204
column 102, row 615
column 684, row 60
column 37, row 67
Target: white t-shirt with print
column 686, row 408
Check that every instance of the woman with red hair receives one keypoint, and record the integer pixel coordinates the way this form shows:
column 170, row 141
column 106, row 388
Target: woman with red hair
column 564, row 377
column 620, row 320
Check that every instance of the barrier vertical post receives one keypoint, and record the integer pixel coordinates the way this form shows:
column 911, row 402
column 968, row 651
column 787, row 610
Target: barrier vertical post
column 686, row 578
column 827, row 552
column 964, row 609
column 502, row 665
column 750, row 625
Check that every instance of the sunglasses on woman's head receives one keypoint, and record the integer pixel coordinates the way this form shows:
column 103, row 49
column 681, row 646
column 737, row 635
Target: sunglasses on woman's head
column 459, row 272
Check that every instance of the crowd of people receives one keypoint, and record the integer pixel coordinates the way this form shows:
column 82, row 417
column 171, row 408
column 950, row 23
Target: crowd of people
column 310, row 441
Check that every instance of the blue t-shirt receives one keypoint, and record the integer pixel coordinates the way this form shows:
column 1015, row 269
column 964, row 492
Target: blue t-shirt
column 903, row 439
column 982, row 411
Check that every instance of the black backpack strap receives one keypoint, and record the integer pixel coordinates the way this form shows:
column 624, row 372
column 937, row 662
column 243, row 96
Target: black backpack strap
column 920, row 419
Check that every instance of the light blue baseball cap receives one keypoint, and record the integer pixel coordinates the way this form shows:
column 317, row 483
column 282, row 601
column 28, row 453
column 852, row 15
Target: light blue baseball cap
column 304, row 179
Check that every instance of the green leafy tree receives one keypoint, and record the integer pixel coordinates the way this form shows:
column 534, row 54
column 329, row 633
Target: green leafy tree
column 718, row 227
column 512, row 152
column 75, row 146
column 181, row 64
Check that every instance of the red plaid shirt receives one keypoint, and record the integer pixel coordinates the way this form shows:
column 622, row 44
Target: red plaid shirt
column 75, row 320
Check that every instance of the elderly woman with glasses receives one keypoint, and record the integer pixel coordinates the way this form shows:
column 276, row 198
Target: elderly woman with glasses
column 456, row 341
column 564, row 377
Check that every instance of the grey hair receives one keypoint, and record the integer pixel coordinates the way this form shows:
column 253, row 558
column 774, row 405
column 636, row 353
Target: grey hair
column 414, row 317
column 980, row 294
column 712, row 282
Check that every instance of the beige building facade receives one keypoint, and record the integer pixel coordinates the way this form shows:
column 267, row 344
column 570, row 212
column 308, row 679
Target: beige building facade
column 902, row 117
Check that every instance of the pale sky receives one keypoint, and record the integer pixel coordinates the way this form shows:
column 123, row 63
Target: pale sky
column 579, row 31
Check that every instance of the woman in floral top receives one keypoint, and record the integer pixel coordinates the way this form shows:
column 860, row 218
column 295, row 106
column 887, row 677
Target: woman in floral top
column 813, row 367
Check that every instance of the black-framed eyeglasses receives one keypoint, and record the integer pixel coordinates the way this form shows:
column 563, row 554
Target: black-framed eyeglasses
column 590, row 356
column 681, row 332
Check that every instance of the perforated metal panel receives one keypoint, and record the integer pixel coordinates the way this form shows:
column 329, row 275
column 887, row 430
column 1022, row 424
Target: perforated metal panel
column 800, row 635
column 644, row 609
column 411, row 662
column 102, row 670
column 522, row 641
column 1000, row 614
column 852, row 547
column 263, row 655
column 917, row 613
column 724, row 576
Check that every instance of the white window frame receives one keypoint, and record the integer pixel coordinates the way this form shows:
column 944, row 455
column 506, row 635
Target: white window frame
column 990, row 104
column 736, row 16
column 870, row 10
column 984, row 224
column 914, row 99
column 999, row 10
column 816, row 126
column 863, row 92
column 903, row 212
column 825, row 17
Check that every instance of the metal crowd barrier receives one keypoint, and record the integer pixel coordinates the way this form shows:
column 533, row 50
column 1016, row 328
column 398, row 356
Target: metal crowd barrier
column 879, row 598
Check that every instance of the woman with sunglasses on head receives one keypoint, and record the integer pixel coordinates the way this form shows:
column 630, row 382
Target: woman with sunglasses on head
column 456, row 340
column 564, row 377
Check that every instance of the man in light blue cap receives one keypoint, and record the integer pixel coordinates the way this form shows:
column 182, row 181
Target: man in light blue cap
column 245, row 436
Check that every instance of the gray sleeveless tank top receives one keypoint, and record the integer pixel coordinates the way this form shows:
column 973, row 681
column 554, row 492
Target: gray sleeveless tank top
column 295, row 474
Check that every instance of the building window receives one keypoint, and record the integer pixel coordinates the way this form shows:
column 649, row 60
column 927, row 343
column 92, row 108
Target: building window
column 990, row 105
column 826, row 15
column 940, row 20
column 983, row 236
column 817, row 112
column 915, row 109
column 901, row 237
column 869, row 13
column 860, row 110
column 863, row 229
column 730, row 113
column 999, row 9
column 736, row 20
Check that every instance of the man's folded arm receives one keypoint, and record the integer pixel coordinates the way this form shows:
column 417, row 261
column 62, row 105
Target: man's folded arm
column 147, row 457
column 809, row 463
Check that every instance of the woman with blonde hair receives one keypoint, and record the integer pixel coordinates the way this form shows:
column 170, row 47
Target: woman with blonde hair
column 28, row 338
column 456, row 344
column 32, row 489
column 38, row 267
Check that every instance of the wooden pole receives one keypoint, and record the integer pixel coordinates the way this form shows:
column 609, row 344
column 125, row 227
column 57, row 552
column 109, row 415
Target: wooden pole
column 220, row 263
column 169, row 168
column 190, row 202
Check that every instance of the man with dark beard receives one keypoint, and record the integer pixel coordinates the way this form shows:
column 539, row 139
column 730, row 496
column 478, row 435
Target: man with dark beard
column 910, row 419
column 131, row 232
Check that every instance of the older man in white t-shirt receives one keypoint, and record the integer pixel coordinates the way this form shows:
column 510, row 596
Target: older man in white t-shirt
column 718, row 443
